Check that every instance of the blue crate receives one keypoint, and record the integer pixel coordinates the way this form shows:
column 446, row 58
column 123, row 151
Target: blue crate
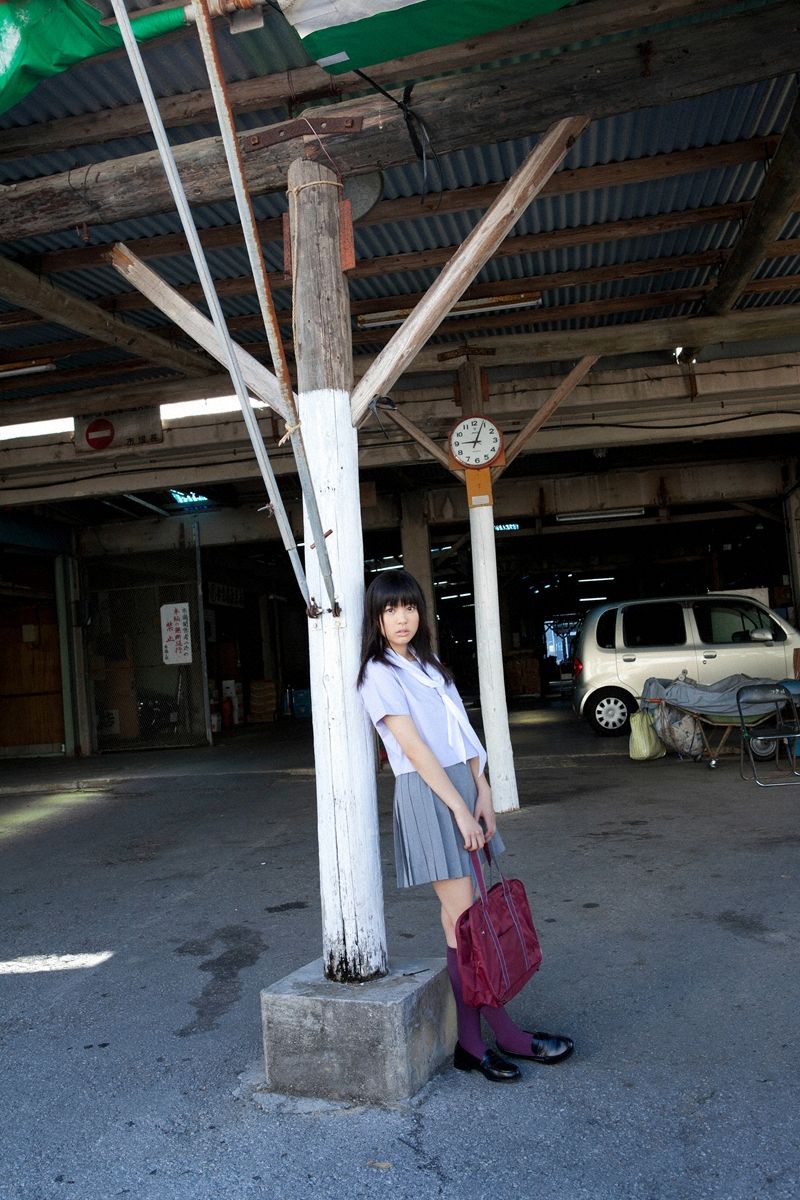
column 301, row 702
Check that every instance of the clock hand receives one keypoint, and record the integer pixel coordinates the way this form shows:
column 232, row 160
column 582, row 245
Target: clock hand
column 478, row 435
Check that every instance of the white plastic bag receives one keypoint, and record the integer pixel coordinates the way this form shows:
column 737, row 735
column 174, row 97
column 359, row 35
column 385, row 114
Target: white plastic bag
column 679, row 730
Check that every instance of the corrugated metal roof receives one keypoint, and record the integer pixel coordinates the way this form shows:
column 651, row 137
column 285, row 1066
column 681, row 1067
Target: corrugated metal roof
column 732, row 115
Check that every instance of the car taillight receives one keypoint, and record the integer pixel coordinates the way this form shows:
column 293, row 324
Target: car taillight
column 577, row 667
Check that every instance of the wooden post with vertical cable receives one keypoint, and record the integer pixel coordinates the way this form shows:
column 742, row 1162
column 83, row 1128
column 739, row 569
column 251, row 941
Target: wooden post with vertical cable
column 354, row 939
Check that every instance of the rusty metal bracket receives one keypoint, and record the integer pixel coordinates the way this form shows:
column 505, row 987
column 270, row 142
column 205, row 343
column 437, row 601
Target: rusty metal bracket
column 466, row 351
column 303, row 126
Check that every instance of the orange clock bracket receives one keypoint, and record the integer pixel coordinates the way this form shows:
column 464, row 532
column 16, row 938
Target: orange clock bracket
column 479, row 486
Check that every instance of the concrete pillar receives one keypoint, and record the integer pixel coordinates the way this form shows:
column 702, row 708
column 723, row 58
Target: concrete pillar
column 416, row 546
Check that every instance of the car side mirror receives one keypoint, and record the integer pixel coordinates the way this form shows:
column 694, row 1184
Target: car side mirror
column 761, row 635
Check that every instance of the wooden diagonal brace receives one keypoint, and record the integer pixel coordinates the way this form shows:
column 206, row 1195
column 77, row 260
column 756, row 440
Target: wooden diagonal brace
column 261, row 382
column 462, row 268
column 546, row 410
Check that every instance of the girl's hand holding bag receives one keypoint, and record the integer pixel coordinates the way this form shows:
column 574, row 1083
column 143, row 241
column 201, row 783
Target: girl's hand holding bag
column 498, row 950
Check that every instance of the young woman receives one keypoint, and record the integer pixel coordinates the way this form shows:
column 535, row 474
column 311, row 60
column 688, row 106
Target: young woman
column 442, row 801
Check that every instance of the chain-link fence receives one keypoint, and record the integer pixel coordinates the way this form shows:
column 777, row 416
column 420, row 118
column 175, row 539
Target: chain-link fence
column 146, row 657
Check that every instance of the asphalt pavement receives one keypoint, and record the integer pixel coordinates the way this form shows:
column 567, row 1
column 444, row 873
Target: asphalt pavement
column 145, row 899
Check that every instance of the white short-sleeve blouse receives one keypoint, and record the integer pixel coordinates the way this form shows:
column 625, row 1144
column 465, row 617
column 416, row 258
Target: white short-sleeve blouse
column 396, row 688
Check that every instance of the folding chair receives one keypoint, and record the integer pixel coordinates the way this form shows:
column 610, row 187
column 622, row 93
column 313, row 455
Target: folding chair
column 775, row 707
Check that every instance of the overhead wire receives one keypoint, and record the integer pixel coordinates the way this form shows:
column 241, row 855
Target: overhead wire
column 258, row 267
column 212, row 299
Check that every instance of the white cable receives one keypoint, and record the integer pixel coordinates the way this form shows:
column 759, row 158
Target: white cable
column 209, row 291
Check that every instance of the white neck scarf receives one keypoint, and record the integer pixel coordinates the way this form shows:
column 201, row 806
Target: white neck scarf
column 457, row 723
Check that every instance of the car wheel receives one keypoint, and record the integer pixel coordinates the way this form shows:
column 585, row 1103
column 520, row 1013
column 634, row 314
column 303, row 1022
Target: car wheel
column 609, row 711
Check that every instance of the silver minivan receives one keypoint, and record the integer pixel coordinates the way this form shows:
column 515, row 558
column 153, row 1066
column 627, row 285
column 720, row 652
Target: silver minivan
column 621, row 645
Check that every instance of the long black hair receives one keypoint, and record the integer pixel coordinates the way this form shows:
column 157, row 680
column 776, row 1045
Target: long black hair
column 395, row 589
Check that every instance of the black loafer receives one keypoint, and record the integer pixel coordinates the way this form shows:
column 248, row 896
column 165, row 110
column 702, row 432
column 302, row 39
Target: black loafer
column 546, row 1048
column 491, row 1066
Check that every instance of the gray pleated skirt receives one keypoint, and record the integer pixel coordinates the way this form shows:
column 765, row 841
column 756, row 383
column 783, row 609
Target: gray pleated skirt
column 427, row 841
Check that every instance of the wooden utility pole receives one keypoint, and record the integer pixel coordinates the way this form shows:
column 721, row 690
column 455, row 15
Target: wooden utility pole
column 353, row 931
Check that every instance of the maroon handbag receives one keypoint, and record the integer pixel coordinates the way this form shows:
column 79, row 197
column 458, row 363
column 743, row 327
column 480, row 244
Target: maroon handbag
column 498, row 950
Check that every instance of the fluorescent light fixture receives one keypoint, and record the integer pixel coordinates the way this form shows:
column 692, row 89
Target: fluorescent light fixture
column 489, row 304
column 606, row 514
column 451, row 596
column 507, row 527
column 597, row 579
column 36, row 367
column 586, row 599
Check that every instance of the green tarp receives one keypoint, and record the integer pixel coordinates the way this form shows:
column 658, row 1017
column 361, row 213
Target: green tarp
column 39, row 38
column 341, row 35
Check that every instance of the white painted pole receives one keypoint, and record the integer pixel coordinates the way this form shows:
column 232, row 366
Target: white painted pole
column 353, row 930
column 494, row 709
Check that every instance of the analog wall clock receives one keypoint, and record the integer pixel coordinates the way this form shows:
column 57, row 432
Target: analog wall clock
column 476, row 442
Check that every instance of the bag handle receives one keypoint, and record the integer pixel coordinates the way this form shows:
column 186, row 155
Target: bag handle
column 477, row 869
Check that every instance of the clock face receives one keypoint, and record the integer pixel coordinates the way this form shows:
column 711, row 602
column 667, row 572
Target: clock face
column 475, row 442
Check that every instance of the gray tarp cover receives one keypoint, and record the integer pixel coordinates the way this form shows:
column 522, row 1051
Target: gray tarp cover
column 707, row 699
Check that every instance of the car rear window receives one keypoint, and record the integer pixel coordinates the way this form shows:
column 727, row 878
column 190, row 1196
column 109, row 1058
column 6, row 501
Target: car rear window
column 654, row 624
column 606, row 629
column 726, row 622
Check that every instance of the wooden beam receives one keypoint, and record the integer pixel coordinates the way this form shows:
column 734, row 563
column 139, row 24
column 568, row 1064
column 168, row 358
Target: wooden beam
column 411, row 208
column 14, row 390
column 466, row 262
column 21, row 286
column 640, row 227
column 771, row 210
column 546, row 410
column 458, row 326
column 416, row 260
column 563, row 345
column 119, row 398
column 641, row 301
column 433, row 448
column 261, row 382
column 288, row 88
column 459, row 111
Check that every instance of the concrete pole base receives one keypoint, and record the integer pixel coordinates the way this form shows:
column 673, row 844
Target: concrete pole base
column 379, row 1041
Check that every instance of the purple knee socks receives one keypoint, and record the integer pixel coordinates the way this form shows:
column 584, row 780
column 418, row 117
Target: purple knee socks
column 469, row 1018
column 508, row 1033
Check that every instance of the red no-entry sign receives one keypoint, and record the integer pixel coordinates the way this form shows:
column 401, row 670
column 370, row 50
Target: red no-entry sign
column 99, row 434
